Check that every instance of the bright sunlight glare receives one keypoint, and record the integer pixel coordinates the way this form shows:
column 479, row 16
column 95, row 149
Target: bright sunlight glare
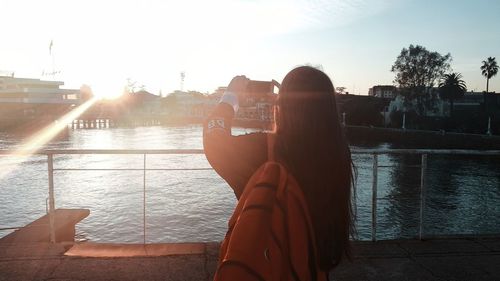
column 42, row 137
column 107, row 90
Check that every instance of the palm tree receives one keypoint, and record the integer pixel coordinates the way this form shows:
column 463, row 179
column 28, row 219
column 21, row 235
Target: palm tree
column 489, row 69
column 452, row 87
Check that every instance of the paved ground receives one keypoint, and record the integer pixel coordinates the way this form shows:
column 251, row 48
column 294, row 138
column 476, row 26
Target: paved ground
column 450, row 259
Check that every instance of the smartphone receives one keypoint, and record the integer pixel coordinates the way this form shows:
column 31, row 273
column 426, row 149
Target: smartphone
column 261, row 87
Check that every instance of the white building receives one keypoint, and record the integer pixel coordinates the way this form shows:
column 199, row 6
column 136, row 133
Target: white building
column 383, row 91
column 35, row 101
column 35, row 91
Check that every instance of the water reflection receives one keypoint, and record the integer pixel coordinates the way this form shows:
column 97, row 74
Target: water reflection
column 461, row 196
column 462, row 192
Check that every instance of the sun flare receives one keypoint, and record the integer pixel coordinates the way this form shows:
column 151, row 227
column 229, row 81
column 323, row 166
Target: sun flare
column 42, row 137
column 105, row 91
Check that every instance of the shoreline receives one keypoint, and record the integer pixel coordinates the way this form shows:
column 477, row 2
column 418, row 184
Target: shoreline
column 357, row 135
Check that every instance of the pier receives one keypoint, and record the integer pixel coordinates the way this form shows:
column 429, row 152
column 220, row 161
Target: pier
column 91, row 123
column 439, row 259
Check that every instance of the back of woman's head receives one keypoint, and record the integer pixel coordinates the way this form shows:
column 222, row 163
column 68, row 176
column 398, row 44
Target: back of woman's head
column 310, row 140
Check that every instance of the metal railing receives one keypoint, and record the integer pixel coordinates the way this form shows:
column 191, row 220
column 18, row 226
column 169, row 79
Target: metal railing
column 374, row 152
column 423, row 171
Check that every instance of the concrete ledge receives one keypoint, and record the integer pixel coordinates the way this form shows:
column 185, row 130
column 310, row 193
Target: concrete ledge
column 98, row 250
column 38, row 230
column 367, row 249
column 31, row 250
column 444, row 247
column 440, row 259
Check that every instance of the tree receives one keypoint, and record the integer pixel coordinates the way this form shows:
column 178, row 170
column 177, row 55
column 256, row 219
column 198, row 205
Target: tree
column 170, row 103
column 416, row 67
column 489, row 69
column 452, row 87
column 133, row 86
column 86, row 93
column 341, row 90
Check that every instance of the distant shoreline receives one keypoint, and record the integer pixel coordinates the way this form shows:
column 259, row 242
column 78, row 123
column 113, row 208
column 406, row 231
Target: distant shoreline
column 422, row 138
column 407, row 138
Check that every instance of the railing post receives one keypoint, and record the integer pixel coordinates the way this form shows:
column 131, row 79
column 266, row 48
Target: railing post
column 144, row 200
column 422, row 196
column 50, row 164
column 374, row 197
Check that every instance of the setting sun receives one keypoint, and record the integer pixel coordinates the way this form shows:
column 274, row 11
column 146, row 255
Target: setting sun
column 105, row 90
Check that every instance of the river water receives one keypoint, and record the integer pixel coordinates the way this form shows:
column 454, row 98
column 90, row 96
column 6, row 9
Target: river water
column 462, row 197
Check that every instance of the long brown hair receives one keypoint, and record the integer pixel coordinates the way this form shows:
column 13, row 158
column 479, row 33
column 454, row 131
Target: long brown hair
column 311, row 142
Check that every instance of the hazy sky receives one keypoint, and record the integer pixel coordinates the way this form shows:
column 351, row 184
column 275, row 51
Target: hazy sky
column 101, row 43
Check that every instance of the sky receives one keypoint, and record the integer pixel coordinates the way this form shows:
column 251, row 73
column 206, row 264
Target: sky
column 102, row 43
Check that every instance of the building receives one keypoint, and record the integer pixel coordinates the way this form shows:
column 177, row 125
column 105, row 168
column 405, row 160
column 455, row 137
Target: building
column 383, row 91
column 195, row 106
column 361, row 110
column 141, row 102
column 492, row 104
column 214, row 98
column 181, row 104
column 27, row 103
column 471, row 101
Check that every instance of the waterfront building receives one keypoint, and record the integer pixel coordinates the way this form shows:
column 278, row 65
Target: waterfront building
column 142, row 102
column 438, row 109
column 361, row 110
column 383, row 91
column 478, row 112
column 471, row 101
column 474, row 103
column 27, row 103
column 185, row 104
column 472, row 113
column 492, row 104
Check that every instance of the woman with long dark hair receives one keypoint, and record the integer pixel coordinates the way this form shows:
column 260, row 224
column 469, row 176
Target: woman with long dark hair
column 309, row 142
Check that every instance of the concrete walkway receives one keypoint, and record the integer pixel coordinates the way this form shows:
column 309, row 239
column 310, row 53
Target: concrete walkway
column 446, row 259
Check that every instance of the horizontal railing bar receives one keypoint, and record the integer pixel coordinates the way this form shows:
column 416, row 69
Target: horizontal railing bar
column 426, row 151
column 442, row 236
column 10, row 228
column 109, row 151
column 404, row 166
column 201, row 151
column 138, row 169
column 462, row 236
